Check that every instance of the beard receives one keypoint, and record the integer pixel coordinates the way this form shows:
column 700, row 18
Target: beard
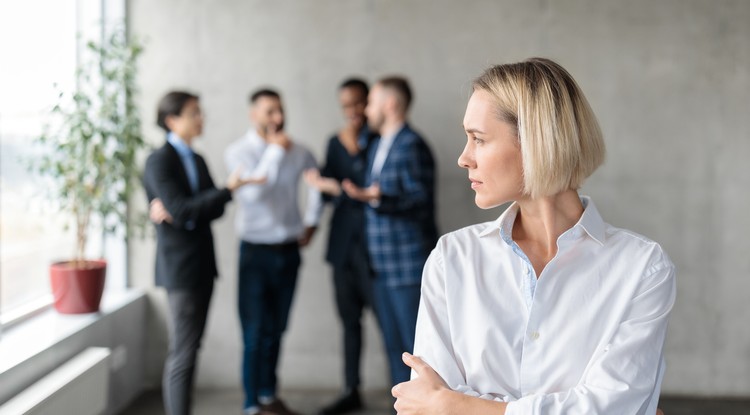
column 375, row 124
column 267, row 127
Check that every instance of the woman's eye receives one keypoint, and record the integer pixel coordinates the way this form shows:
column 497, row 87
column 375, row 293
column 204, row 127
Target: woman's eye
column 478, row 140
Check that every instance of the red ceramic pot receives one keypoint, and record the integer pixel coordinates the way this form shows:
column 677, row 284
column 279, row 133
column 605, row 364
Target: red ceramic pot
column 77, row 286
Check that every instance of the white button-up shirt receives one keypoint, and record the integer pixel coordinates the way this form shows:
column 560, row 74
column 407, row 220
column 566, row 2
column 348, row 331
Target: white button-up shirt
column 587, row 339
column 269, row 213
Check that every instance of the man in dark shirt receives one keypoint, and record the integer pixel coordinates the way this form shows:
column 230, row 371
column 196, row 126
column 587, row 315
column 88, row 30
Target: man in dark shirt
column 399, row 215
column 347, row 251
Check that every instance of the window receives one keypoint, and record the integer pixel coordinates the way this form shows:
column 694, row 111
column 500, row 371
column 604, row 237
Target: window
column 38, row 46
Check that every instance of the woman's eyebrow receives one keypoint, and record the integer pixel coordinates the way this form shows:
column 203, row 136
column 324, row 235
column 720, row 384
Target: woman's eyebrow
column 474, row 131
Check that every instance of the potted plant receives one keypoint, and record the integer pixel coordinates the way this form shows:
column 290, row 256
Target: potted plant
column 90, row 150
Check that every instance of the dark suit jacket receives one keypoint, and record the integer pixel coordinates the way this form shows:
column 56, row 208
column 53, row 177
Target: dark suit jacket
column 348, row 219
column 185, row 256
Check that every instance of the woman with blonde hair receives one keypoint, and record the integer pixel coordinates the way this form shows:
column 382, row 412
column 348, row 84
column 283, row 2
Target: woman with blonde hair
column 548, row 309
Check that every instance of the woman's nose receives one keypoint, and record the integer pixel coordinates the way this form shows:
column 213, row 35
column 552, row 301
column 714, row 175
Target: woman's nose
column 465, row 161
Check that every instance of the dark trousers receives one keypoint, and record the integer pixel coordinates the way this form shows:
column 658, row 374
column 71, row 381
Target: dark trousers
column 353, row 287
column 267, row 278
column 397, row 309
column 188, row 310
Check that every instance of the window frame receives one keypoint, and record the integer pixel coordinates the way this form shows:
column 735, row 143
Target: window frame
column 92, row 19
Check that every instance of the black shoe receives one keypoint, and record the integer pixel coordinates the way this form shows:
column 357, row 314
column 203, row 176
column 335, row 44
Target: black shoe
column 349, row 401
column 277, row 407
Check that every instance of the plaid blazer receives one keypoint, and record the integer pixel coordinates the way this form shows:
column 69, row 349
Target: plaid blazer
column 401, row 230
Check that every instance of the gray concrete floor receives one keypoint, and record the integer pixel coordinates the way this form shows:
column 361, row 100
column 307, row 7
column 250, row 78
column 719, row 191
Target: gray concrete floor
column 308, row 402
column 229, row 401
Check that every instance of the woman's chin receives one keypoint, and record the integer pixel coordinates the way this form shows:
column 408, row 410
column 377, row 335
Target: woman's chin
column 485, row 203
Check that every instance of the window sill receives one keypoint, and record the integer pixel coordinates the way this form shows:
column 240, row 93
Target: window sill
column 33, row 336
column 26, row 312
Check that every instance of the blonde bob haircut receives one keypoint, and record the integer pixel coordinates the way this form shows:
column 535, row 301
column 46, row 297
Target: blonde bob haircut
column 561, row 142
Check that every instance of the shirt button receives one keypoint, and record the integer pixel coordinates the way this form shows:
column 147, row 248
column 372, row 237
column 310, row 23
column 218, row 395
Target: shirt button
column 534, row 335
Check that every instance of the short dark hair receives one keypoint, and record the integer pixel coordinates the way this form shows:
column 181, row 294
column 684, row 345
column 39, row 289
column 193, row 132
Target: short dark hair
column 172, row 104
column 355, row 83
column 400, row 86
column 264, row 92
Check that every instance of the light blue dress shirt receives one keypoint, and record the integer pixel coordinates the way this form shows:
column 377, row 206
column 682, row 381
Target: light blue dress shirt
column 187, row 156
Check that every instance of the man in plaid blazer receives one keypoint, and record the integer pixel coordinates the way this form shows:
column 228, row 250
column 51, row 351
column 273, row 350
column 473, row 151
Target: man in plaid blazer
column 400, row 216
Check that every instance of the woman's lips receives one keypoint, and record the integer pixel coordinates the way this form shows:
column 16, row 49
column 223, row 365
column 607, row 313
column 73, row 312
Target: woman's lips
column 475, row 183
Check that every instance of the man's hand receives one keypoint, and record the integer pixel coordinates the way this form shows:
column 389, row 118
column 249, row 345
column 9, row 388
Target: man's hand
column 306, row 237
column 235, row 180
column 367, row 194
column 323, row 184
column 278, row 137
column 158, row 213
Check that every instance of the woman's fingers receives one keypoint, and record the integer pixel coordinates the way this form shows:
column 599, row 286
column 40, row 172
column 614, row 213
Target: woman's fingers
column 415, row 363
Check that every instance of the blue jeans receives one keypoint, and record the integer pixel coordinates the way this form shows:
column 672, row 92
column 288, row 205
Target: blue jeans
column 397, row 308
column 267, row 278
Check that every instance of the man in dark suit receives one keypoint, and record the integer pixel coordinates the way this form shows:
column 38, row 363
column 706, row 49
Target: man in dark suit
column 346, row 159
column 183, row 201
column 400, row 216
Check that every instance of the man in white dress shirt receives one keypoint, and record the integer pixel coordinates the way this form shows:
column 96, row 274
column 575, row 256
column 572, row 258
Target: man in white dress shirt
column 271, row 229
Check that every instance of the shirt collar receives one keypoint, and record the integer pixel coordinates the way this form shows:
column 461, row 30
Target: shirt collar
column 591, row 223
column 179, row 144
column 390, row 138
column 254, row 138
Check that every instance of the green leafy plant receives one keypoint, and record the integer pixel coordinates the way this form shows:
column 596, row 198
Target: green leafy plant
column 93, row 139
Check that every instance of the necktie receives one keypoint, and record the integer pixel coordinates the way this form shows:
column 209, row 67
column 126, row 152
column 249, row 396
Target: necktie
column 192, row 171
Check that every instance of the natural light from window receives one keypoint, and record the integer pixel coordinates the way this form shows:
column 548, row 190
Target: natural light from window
column 38, row 53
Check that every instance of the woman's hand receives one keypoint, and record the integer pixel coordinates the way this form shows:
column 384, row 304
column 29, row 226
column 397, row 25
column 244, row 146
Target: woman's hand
column 425, row 394
column 428, row 394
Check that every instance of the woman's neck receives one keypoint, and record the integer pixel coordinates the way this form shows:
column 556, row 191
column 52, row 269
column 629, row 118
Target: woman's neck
column 540, row 222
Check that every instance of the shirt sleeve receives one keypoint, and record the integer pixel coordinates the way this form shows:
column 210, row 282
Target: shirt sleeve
column 329, row 170
column 185, row 209
column 433, row 334
column 314, row 205
column 625, row 374
column 267, row 166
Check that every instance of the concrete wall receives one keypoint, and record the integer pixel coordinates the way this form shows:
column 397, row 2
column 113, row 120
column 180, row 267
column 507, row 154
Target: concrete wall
column 668, row 79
